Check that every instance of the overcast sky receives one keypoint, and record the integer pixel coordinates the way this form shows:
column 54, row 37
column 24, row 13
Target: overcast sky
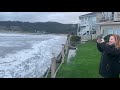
column 62, row 17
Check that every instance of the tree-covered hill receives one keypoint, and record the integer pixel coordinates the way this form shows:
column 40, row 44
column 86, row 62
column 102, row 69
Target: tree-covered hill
column 38, row 27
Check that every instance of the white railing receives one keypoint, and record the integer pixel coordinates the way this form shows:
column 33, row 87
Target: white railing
column 84, row 31
column 88, row 37
column 89, row 27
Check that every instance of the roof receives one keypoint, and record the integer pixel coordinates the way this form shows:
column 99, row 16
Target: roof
column 93, row 13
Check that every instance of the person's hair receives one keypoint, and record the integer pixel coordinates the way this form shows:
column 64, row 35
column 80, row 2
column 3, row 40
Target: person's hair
column 117, row 40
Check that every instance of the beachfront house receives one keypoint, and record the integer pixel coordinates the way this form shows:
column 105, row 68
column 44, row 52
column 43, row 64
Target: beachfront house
column 108, row 23
column 87, row 24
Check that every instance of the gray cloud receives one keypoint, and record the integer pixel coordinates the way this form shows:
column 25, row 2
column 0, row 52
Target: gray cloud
column 62, row 17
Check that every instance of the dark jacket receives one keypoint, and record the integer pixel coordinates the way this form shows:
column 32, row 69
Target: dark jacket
column 110, row 59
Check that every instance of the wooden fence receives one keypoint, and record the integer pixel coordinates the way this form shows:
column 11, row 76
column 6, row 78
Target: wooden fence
column 53, row 68
column 88, row 37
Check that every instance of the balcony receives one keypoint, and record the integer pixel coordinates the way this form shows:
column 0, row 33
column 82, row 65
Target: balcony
column 83, row 24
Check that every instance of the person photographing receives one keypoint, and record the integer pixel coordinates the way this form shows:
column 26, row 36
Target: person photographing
column 110, row 56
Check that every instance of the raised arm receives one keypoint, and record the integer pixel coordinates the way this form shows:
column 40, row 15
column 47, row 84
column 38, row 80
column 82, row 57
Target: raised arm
column 99, row 47
column 110, row 50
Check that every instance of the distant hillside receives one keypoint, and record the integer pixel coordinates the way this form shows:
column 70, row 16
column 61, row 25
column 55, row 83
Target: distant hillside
column 38, row 27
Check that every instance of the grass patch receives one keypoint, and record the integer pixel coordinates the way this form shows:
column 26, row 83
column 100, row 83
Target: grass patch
column 85, row 64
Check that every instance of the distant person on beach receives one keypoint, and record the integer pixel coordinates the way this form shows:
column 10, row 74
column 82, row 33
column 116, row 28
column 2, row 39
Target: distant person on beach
column 110, row 56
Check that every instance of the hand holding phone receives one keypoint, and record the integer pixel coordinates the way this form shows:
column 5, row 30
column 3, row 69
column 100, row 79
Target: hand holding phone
column 102, row 40
column 99, row 40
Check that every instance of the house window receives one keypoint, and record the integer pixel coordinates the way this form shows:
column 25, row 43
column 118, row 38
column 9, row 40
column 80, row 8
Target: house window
column 117, row 31
column 94, row 19
column 107, row 31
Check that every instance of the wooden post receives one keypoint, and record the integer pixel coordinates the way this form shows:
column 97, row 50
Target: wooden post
column 66, row 48
column 63, row 54
column 53, row 67
column 67, row 44
column 69, row 39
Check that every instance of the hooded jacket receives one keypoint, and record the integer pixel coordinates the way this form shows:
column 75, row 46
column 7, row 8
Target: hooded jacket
column 110, row 59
